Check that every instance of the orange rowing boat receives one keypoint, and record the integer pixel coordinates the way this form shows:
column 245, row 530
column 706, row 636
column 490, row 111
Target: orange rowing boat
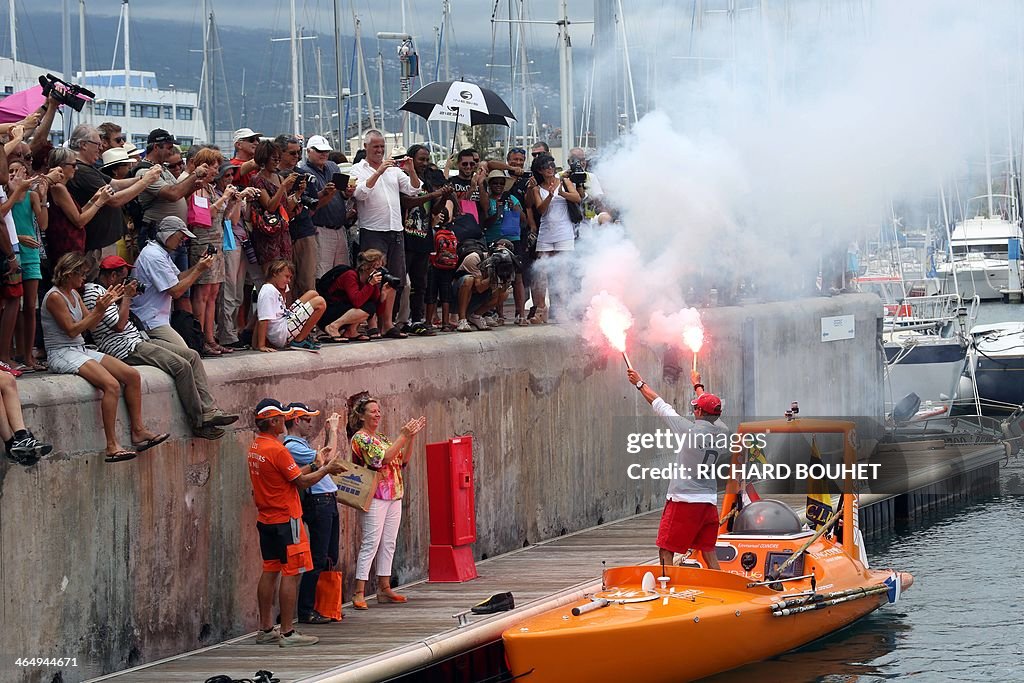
column 781, row 585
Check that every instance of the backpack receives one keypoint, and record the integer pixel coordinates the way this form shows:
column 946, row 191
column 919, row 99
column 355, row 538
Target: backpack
column 186, row 325
column 469, row 246
column 446, row 249
column 465, row 228
column 328, row 287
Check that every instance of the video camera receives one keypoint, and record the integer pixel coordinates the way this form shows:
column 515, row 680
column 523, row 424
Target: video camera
column 577, row 175
column 70, row 94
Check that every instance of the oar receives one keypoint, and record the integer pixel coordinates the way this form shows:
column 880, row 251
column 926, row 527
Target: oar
column 792, row 558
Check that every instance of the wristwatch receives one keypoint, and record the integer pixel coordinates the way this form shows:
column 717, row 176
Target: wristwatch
column 312, row 467
column 640, row 385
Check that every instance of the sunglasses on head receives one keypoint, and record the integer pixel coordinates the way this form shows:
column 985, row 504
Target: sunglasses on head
column 517, row 150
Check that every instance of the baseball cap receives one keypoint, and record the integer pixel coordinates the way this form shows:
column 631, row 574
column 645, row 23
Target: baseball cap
column 319, row 143
column 271, row 407
column 113, row 262
column 158, row 136
column 243, row 133
column 302, row 410
column 170, row 226
column 115, row 156
column 224, row 168
column 709, row 403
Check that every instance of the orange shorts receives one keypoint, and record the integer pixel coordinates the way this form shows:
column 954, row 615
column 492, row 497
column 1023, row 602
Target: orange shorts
column 285, row 547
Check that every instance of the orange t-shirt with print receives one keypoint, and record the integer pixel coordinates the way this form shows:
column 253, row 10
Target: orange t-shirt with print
column 272, row 470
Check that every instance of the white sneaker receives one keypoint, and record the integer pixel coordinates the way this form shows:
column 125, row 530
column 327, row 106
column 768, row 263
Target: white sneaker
column 464, row 326
column 492, row 321
column 478, row 322
column 272, row 636
column 296, row 639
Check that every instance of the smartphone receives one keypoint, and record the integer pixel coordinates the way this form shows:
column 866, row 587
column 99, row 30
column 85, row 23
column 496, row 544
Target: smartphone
column 340, row 180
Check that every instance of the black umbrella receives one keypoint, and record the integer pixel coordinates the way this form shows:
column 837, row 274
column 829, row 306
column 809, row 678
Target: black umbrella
column 459, row 102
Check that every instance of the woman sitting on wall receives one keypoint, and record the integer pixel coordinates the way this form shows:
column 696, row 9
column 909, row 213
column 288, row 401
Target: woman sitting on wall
column 380, row 525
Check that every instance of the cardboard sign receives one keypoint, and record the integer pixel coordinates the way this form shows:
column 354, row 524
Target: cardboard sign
column 356, row 487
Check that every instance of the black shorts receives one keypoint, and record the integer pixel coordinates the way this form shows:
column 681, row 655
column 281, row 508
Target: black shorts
column 275, row 539
column 439, row 285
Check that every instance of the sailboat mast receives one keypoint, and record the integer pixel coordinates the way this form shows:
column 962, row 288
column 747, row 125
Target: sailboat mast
column 302, row 83
column 339, row 141
column 14, row 35
column 65, row 24
column 87, row 111
column 207, row 111
column 295, row 69
column 565, row 81
column 127, row 67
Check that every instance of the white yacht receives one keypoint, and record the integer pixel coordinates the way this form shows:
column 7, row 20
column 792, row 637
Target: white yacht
column 978, row 258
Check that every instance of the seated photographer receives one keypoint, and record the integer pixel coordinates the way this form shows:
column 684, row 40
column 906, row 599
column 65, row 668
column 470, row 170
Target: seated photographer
column 481, row 282
column 280, row 325
column 163, row 281
column 116, row 335
column 357, row 294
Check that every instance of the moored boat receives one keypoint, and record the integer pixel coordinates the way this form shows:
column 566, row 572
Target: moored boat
column 781, row 585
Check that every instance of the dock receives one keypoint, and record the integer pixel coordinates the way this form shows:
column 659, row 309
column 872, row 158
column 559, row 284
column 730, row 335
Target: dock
column 388, row 641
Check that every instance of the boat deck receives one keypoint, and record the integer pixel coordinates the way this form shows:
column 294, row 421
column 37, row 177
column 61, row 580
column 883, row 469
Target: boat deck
column 386, row 640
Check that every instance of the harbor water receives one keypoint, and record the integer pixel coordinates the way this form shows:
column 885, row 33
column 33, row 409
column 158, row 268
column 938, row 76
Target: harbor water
column 961, row 621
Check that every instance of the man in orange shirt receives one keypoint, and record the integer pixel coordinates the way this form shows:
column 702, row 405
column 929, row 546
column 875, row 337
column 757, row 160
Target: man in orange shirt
column 284, row 544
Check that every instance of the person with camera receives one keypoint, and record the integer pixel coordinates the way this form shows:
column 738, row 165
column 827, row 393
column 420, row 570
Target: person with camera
column 276, row 202
column 555, row 234
column 167, row 196
column 476, row 289
column 284, row 544
column 63, row 320
column 163, row 281
column 279, row 325
column 300, row 223
column 357, row 294
column 690, row 518
column 206, row 208
column 379, row 186
column 117, row 335
column 329, row 216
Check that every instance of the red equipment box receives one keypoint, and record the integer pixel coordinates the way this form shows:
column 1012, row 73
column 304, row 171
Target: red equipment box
column 452, row 510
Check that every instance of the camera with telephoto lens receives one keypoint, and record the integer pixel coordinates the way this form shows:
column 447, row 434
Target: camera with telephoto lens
column 577, row 175
column 386, row 278
column 140, row 288
column 70, row 94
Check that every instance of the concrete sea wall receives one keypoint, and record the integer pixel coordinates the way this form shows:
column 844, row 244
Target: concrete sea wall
column 120, row 564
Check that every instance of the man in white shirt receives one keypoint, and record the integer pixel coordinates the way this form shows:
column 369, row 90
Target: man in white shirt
column 162, row 279
column 379, row 186
column 690, row 518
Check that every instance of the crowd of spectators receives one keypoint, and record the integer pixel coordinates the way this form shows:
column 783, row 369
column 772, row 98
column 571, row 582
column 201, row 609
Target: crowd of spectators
column 115, row 257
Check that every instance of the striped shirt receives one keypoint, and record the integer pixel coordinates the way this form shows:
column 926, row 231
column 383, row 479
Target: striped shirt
column 121, row 344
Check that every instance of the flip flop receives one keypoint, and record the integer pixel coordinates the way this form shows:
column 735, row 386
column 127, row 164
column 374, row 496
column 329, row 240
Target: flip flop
column 395, row 333
column 150, row 443
column 357, row 340
column 120, row 456
column 373, row 333
column 328, row 339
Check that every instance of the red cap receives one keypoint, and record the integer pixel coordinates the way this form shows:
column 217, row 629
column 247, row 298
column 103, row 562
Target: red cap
column 709, row 403
column 113, row 262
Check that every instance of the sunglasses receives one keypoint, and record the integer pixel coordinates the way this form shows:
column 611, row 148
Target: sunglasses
column 120, row 139
column 178, row 164
column 517, row 150
column 537, row 154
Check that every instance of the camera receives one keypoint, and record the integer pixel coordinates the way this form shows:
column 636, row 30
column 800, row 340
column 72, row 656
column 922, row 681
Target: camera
column 66, row 93
column 309, row 203
column 386, row 278
column 139, row 287
column 307, row 178
column 577, row 175
column 211, row 250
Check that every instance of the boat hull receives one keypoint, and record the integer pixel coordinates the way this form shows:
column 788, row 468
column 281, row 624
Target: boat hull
column 727, row 624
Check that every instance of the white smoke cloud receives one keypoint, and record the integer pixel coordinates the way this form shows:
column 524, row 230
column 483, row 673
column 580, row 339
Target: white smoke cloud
column 797, row 137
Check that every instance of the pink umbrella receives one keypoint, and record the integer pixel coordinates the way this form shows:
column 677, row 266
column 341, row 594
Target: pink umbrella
column 22, row 103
